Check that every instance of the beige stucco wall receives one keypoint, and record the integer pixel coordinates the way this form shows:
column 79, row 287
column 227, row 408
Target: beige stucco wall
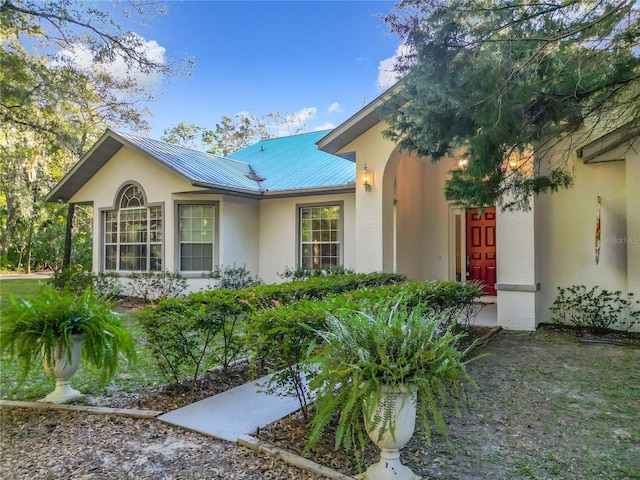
column 402, row 224
column 566, row 222
column 516, row 268
column 278, row 232
column 237, row 223
column 410, row 217
column 371, row 212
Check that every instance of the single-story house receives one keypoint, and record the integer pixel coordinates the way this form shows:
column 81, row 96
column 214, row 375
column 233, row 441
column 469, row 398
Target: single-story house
column 350, row 197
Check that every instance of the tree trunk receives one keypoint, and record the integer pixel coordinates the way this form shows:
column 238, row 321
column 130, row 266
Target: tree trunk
column 68, row 236
column 34, row 211
column 12, row 216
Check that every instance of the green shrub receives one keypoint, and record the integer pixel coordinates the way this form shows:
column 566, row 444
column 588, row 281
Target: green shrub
column 321, row 286
column 281, row 333
column 156, row 285
column 232, row 278
column 306, row 273
column 178, row 336
column 186, row 334
column 281, row 337
column 449, row 300
column 587, row 309
column 73, row 277
column 225, row 311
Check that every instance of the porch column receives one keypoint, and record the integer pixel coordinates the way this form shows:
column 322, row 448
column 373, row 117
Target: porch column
column 516, row 272
column 369, row 232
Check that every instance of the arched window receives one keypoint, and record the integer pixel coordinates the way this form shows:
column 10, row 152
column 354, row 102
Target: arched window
column 133, row 233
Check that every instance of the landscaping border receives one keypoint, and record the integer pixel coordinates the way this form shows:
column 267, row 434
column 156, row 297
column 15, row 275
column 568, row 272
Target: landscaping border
column 122, row 412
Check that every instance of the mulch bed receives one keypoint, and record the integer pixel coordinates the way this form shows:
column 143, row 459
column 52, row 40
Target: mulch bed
column 29, row 433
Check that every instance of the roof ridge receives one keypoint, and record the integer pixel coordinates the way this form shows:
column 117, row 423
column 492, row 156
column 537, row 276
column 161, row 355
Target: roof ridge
column 175, row 145
column 294, row 135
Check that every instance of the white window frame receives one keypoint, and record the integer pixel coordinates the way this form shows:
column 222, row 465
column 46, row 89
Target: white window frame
column 215, row 205
column 118, row 239
column 339, row 240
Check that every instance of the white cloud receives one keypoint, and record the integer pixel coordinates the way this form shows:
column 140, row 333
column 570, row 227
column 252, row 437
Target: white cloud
column 81, row 56
column 334, row 107
column 293, row 123
column 324, row 126
column 387, row 74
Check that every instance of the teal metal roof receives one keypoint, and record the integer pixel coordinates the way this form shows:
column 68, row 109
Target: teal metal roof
column 295, row 163
column 199, row 167
column 276, row 165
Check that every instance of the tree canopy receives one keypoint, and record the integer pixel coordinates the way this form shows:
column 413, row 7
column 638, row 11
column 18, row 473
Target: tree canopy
column 232, row 133
column 68, row 70
column 500, row 78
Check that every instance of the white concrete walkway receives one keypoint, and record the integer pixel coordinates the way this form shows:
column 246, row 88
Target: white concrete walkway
column 242, row 410
column 231, row 414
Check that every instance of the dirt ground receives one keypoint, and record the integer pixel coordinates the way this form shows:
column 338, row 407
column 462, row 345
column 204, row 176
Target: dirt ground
column 546, row 407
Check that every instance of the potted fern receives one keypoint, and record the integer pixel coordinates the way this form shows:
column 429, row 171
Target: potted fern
column 61, row 327
column 376, row 369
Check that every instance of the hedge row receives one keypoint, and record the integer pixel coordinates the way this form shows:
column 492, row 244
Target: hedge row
column 278, row 324
column 205, row 328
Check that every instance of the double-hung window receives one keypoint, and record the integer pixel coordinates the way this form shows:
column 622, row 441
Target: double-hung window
column 196, row 233
column 133, row 234
column 320, row 236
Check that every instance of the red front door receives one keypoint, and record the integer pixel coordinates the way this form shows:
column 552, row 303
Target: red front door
column 481, row 247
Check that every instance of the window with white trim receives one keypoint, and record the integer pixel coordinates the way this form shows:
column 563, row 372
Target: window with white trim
column 133, row 234
column 196, row 234
column 320, row 237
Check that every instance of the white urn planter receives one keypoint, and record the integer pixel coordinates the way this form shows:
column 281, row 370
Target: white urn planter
column 63, row 369
column 401, row 404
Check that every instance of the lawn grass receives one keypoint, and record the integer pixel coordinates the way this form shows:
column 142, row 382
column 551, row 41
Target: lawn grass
column 129, row 380
column 19, row 286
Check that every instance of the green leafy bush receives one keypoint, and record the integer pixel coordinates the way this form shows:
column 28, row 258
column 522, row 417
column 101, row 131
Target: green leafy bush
column 306, row 273
column 232, row 278
column 226, row 310
column 281, row 337
column 321, row 287
column 73, row 277
column 157, row 285
column 281, row 334
column 449, row 300
column 203, row 329
column 584, row 308
column 178, row 336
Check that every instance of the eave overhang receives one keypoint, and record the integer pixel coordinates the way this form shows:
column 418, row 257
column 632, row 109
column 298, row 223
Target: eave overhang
column 591, row 152
column 263, row 194
column 357, row 124
column 100, row 153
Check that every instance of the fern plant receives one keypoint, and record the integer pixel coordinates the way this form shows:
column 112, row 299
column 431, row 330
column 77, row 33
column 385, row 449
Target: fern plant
column 394, row 347
column 32, row 328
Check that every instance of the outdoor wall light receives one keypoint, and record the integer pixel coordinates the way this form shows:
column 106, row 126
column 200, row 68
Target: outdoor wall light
column 514, row 160
column 367, row 178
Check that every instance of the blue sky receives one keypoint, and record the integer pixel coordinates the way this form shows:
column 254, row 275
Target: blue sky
column 318, row 58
